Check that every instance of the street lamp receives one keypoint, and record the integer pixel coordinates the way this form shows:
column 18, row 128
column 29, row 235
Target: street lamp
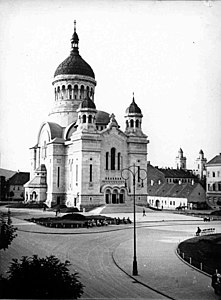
column 125, row 174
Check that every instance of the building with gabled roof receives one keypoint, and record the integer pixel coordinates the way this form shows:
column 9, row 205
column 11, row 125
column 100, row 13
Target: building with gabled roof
column 16, row 190
column 173, row 195
column 170, row 188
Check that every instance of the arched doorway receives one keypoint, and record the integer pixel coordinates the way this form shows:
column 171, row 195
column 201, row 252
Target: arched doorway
column 108, row 196
column 115, row 196
column 157, row 203
column 122, row 196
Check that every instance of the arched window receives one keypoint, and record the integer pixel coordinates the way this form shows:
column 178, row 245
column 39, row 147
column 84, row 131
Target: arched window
column 118, row 161
column 75, row 91
column 131, row 123
column 63, row 92
column 127, row 124
column 58, row 92
column 84, row 118
column 137, row 123
column 91, row 93
column 107, row 158
column 69, row 92
column 82, row 92
column 113, row 152
column 55, row 94
column 90, row 119
column 87, row 90
column 90, row 172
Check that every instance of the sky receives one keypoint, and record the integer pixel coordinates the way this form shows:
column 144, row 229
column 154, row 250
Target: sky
column 168, row 53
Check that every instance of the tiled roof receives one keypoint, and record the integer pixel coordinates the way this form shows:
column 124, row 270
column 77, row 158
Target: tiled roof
column 6, row 173
column 102, row 118
column 176, row 173
column 19, row 178
column 74, row 64
column 215, row 160
column 171, row 190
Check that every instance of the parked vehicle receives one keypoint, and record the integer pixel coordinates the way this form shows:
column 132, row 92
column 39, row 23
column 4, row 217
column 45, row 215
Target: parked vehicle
column 216, row 283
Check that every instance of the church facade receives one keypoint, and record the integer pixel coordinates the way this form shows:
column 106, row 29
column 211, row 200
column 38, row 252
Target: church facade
column 81, row 151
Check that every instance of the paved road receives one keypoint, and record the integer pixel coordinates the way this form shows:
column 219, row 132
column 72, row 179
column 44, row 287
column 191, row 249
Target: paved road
column 91, row 255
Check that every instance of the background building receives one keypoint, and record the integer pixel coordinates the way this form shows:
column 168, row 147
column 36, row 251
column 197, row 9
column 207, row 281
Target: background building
column 213, row 180
column 171, row 188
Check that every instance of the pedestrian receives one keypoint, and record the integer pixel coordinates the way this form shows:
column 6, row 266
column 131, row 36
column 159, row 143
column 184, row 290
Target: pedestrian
column 198, row 231
column 144, row 213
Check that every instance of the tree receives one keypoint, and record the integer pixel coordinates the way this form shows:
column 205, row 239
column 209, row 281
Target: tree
column 42, row 278
column 7, row 232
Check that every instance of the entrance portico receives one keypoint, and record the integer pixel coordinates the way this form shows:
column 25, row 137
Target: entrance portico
column 114, row 195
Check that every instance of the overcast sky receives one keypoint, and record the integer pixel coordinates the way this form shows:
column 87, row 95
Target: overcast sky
column 167, row 53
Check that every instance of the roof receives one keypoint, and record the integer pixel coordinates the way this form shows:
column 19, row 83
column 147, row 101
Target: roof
column 6, row 173
column 74, row 65
column 102, row 118
column 87, row 103
column 133, row 108
column 171, row 190
column 19, row 178
column 176, row 173
column 56, row 130
column 215, row 160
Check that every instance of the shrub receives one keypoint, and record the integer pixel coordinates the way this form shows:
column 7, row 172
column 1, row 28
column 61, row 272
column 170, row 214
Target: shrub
column 42, row 278
column 7, row 232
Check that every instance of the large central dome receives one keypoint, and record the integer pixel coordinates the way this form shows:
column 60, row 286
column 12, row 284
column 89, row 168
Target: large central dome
column 74, row 64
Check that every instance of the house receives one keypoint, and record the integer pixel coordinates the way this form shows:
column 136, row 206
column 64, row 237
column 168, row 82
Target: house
column 171, row 188
column 4, row 176
column 173, row 195
column 15, row 185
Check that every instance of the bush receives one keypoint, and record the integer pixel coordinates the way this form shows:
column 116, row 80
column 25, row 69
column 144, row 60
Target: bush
column 42, row 278
column 7, row 232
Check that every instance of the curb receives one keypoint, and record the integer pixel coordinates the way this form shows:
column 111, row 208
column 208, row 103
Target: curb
column 138, row 281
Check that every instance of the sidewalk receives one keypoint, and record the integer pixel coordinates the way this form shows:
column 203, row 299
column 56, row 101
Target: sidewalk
column 160, row 268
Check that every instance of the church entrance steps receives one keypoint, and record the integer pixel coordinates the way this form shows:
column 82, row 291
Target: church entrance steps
column 120, row 208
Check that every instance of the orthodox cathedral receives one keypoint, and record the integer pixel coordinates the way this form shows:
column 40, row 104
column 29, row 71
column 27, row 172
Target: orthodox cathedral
column 81, row 152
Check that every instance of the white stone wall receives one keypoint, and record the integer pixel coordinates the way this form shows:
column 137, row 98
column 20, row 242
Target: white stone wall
column 166, row 202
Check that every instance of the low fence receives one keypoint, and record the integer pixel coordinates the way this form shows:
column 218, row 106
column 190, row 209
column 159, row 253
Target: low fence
column 196, row 263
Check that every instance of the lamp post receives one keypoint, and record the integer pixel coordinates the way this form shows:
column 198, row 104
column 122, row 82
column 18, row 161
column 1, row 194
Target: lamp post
column 125, row 174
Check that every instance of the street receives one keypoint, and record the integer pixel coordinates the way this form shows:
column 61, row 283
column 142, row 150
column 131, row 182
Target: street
column 104, row 259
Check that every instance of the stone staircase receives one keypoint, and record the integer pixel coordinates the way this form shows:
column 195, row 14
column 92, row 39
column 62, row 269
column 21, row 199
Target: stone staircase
column 120, row 208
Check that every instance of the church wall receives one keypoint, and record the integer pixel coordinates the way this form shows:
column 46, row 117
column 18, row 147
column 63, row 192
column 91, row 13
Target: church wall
column 55, row 173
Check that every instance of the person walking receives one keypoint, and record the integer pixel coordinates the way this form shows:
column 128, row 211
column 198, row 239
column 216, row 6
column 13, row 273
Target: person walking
column 144, row 213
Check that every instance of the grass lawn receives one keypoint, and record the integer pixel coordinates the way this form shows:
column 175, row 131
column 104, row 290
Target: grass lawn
column 204, row 252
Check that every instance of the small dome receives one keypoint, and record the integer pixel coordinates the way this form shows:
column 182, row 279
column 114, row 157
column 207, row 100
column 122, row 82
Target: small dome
column 102, row 118
column 41, row 168
column 201, row 151
column 133, row 108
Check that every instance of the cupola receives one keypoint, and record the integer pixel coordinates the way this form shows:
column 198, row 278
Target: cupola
column 133, row 118
column 86, row 115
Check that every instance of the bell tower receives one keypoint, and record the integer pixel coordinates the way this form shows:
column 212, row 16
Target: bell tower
column 201, row 165
column 133, row 119
column 180, row 160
